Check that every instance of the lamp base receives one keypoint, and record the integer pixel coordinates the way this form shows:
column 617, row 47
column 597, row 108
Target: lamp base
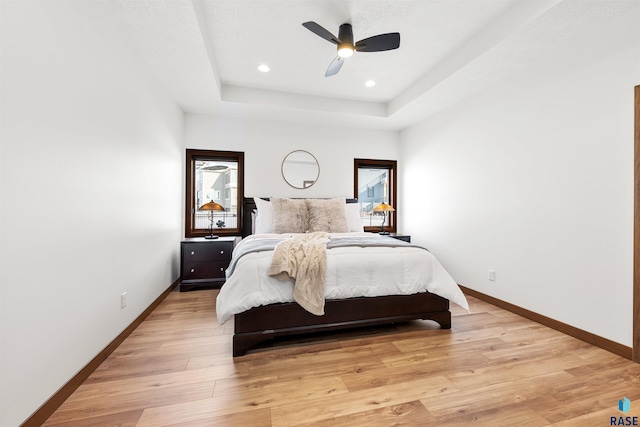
column 211, row 236
column 384, row 233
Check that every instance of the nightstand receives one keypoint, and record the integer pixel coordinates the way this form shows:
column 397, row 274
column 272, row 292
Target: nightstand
column 203, row 261
column 404, row 237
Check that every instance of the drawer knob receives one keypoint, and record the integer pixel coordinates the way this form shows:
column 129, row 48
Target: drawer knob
column 193, row 252
column 221, row 268
column 193, row 269
column 221, row 252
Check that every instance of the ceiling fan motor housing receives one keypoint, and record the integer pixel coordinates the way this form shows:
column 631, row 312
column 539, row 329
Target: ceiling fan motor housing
column 345, row 34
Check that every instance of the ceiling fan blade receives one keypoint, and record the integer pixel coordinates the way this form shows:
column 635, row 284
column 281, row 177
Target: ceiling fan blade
column 321, row 31
column 334, row 67
column 379, row 43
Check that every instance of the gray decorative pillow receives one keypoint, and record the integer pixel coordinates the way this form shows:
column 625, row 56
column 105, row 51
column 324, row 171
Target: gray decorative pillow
column 289, row 215
column 328, row 215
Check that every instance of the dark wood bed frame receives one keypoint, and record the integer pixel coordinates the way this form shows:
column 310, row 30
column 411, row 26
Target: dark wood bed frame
column 264, row 323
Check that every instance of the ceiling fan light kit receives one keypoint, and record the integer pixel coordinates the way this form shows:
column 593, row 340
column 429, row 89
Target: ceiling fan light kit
column 345, row 44
column 345, row 50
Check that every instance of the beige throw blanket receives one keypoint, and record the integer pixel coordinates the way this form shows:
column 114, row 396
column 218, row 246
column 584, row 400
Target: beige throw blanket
column 304, row 259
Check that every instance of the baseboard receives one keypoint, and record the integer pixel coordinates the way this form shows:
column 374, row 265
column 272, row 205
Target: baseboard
column 49, row 407
column 598, row 341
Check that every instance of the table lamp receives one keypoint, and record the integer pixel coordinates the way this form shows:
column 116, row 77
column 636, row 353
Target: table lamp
column 211, row 206
column 384, row 208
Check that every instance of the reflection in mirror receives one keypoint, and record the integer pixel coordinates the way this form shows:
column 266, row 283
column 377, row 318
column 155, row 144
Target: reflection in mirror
column 300, row 169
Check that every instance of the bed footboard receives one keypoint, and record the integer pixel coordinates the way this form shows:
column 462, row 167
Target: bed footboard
column 267, row 322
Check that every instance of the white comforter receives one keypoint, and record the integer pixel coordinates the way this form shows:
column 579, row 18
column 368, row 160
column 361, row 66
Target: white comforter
column 352, row 271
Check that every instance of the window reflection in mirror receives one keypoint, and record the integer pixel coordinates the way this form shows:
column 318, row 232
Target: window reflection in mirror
column 300, row 169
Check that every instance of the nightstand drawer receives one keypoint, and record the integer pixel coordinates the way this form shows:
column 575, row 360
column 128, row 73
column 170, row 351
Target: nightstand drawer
column 204, row 270
column 204, row 252
column 203, row 262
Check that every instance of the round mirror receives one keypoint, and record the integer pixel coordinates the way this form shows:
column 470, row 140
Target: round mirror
column 300, row 169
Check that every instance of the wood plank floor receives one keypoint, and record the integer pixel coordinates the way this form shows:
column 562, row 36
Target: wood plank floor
column 492, row 368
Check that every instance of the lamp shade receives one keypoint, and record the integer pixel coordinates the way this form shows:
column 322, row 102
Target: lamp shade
column 383, row 207
column 211, row 206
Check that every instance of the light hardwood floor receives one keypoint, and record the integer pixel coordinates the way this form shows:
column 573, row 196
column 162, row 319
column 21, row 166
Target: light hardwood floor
column 492, row 368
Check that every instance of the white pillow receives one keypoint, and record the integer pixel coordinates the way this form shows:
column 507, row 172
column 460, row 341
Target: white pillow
column 353, row 217
column 254, row 215
column 263, row 217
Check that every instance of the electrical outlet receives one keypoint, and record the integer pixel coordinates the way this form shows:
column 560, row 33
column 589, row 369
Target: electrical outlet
column 492, row 275
column 123, row 300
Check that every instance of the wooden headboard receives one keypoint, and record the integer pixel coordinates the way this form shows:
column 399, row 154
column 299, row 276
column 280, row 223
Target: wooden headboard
column 248, row 205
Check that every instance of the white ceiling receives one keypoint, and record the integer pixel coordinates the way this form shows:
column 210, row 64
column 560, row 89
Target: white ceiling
column 206, row 53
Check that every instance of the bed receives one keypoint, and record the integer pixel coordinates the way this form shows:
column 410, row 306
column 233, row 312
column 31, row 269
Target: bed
column 262, row 307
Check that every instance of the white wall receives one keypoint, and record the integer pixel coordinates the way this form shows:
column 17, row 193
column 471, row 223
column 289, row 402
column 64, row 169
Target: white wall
column 91, row 197
column 535, row 181
column 266, row 144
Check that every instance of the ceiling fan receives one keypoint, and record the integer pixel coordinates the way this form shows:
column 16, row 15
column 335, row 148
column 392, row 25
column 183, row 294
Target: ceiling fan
column 345, row 44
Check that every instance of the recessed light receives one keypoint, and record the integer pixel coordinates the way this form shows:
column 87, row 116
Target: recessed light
column 370, row 83
column 264, row 68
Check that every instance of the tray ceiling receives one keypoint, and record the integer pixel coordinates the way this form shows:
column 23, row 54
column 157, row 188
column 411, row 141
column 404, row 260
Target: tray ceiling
column 206, row 53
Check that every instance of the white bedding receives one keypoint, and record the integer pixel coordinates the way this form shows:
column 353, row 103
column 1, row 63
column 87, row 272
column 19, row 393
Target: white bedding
column 352, row 271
